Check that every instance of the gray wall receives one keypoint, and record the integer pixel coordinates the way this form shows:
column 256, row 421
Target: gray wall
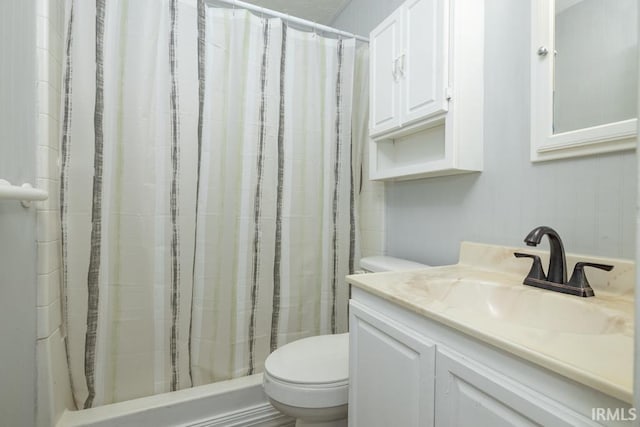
column 17, row 224
column 590, row 200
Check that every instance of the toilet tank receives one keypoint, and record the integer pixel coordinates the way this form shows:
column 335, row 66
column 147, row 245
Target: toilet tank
column 376, row 264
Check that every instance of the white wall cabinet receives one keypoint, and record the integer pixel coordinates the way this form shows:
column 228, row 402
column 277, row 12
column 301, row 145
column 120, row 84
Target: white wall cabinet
column 408, row 370
column 408, row 66
column 426, row 94
column 394, row 370
column 561, row 125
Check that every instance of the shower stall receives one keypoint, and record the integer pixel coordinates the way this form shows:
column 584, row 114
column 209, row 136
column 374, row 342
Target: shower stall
column 210, row 171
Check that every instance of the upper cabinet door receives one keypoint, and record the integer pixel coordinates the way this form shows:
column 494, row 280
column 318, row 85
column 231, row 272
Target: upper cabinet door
column 385, row 45
column 423, row 63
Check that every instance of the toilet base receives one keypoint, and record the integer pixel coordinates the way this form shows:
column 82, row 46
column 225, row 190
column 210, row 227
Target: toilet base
column 335, row 416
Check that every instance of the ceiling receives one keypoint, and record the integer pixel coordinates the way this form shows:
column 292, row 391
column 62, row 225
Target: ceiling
column 320, row 11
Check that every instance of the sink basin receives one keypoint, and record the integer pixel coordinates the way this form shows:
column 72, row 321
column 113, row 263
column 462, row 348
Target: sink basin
column 524, row 306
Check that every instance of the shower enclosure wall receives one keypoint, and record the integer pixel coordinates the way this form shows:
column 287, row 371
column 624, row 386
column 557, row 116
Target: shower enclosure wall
column 206, row 181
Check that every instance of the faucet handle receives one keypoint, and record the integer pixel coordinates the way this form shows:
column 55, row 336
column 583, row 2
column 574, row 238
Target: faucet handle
column 579, row 279
column 536, row 271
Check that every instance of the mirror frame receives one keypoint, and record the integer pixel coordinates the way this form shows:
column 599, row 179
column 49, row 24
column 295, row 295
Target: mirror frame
column 545, row 145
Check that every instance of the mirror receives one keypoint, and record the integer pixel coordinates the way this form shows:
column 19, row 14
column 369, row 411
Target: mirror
column 595, row 63
column 584, row 72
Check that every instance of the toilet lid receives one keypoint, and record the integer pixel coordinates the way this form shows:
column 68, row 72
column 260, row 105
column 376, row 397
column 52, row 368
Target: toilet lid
column 322, row 359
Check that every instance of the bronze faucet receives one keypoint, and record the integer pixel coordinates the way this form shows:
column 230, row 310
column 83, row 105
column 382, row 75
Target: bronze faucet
column 557, row 272
column 556, row 277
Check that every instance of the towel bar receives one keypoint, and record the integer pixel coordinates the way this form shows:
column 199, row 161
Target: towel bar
column 25, row 193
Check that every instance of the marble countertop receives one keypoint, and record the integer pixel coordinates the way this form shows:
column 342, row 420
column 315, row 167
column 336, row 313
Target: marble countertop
column 589, row 340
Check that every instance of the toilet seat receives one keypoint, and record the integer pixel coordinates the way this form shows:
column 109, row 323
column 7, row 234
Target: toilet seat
column 310, row 373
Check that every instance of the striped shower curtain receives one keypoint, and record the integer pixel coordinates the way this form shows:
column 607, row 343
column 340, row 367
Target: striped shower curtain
column 209, row 190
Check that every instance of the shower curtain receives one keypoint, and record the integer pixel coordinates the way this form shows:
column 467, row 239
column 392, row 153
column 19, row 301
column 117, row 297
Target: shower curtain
column 209, row 190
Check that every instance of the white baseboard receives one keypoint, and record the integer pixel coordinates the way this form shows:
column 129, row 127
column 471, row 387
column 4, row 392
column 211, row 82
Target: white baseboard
column 263, row 415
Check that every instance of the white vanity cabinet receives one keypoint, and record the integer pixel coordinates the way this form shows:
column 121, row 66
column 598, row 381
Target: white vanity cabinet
column 393, row 368
column 409, row 370
column 426, row 94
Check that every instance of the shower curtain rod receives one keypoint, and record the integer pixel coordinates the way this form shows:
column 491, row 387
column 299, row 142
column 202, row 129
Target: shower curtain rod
column 295, row 20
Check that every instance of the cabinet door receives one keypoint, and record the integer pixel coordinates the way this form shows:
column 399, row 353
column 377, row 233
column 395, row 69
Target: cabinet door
column 391, row 372
column 470, row 394
column 423, row 62
column 385, row 42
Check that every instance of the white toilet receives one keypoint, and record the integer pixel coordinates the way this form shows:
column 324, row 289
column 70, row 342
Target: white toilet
column 308, row 379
